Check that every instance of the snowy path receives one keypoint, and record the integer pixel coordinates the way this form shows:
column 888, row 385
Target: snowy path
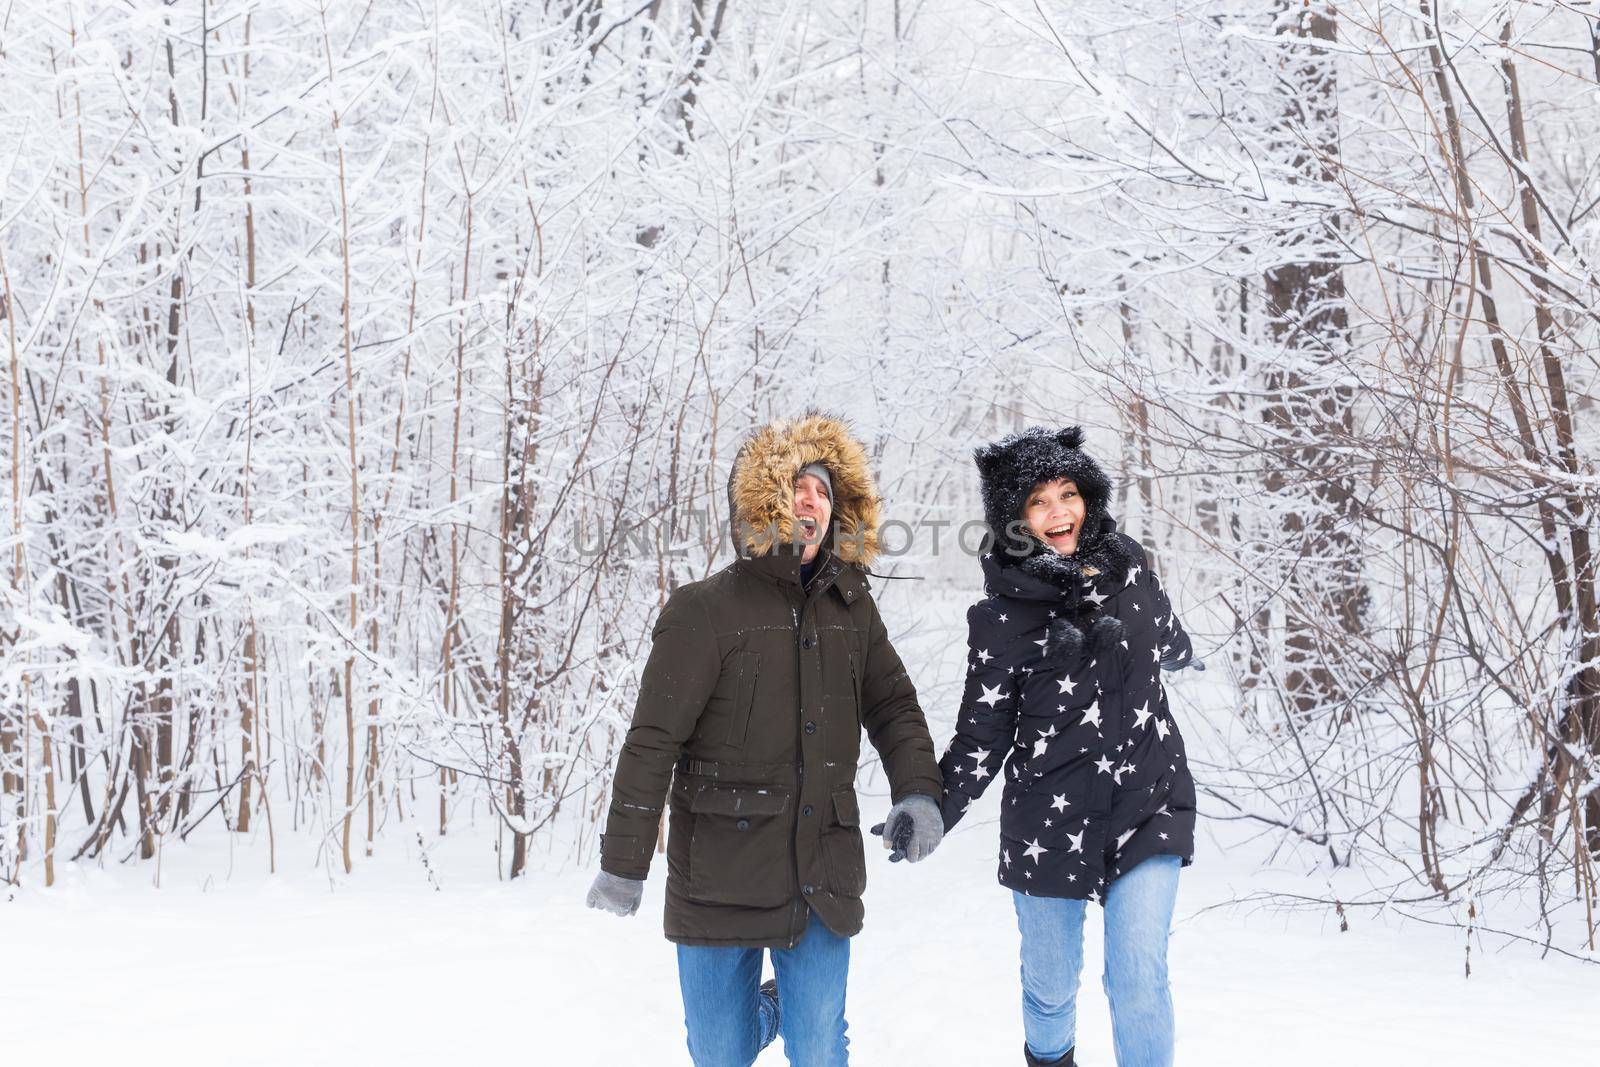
column 387, row 971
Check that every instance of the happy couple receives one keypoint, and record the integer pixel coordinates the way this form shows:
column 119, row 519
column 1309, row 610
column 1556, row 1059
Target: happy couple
column 748, row 724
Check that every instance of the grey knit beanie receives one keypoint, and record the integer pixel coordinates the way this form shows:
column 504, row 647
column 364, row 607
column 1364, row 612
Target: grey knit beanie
column 822, row 474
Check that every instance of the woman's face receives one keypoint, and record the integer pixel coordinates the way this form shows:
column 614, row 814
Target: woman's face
column 1054, row 514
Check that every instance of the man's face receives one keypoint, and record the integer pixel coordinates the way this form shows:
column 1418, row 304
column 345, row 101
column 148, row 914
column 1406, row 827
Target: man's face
column 1054, row 513
column 813, row 510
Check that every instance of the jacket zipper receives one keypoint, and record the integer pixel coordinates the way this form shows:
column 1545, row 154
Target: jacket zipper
column 798, row 905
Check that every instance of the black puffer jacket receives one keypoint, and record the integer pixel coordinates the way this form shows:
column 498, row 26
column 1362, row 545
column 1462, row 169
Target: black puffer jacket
column 1096, row 778
column 1064, row 692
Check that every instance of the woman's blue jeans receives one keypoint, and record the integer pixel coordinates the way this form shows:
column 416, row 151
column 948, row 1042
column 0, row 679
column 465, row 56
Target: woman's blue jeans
column 729, row 1022
column 1139, row 908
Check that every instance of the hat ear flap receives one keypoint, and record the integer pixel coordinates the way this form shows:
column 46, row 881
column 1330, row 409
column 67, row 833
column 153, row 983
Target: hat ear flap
column 1071, row 437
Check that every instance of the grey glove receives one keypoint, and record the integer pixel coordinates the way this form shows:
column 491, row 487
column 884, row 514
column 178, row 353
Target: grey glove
column 619, row 896
column 913, row 828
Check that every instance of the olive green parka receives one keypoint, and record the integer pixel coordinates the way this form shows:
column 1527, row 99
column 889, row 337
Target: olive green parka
column 751, row 710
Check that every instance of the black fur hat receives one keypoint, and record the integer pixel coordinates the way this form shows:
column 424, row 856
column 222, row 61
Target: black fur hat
column 1009, row 468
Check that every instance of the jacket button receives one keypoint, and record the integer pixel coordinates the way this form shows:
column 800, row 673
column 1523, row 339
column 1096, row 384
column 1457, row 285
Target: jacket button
column 806, row 810
column 806, row 643
column 744, row 824
column 811, row 727
column 808, row 889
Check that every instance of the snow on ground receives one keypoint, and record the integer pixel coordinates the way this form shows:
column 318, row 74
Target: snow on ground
column 381, row 968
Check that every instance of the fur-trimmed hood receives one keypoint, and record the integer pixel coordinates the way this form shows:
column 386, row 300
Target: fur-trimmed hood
column 761, row 488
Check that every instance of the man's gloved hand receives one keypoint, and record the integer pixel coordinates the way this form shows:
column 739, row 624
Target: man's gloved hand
column 912, row 829
column 619, row 896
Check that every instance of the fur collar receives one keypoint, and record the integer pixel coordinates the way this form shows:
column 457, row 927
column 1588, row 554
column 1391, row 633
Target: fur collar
column 1107, row 554
column 1049, row 576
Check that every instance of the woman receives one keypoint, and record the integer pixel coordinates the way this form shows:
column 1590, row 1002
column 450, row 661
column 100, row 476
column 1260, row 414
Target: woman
column 1063, row 687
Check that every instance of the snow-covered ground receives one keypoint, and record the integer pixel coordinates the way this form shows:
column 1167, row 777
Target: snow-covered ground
column 383, row 968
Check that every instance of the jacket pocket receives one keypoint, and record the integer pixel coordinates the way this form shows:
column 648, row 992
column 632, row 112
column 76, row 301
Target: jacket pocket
column 855, row 680
column 739, row 846
column 749, row 665
column 842, row 846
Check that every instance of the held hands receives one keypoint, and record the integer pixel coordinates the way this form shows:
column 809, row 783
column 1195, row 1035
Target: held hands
column 912, row 829
column 619, row 896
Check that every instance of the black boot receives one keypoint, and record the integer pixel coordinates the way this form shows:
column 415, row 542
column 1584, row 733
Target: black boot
column 1034, row 1061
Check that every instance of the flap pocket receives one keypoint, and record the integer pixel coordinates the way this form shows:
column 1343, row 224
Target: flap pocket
column 739, row 800
column 845, row 807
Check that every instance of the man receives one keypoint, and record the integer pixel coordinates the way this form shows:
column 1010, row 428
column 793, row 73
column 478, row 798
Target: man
column 759, row 682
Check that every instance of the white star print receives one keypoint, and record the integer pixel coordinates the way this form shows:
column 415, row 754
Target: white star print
column 1003, row 619
column 1059, row 801
column 1103, row 765
column 1034, row 850
column 1141, row 714
column 1091, row 714
column 1067, row 685
column 983, row 655
column 1096, row 598
column 1040, row 746
column 1006, row 857
column 1155, row 655
column 980, row 755
column 1163, row 836
column 1075, row 841
column 1122, row 839
column 979, row 773
column 1042, row 642
column 990, row 697
column 1132, row 575
column 1163, row 728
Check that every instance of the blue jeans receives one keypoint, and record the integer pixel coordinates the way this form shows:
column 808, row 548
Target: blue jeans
column 729, row 1022
column 1138, row 914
